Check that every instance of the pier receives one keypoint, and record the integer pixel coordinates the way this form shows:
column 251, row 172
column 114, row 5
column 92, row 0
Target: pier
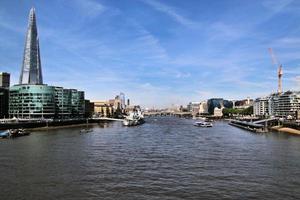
column 260, row 126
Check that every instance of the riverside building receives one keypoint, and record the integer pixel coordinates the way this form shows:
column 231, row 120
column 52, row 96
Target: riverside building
column 31, row 98
column 261, row 106
column 4, row 94
column 285, row 105
column 217, row 103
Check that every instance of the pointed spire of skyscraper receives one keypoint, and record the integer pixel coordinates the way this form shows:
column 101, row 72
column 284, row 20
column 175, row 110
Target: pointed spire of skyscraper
column 31, row 69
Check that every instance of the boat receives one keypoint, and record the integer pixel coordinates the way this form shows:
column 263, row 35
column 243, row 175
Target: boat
column 134, row 118
column 4, row 134
column 18, row 133
column 86, row 129
column 13, row 133
column 203, row 124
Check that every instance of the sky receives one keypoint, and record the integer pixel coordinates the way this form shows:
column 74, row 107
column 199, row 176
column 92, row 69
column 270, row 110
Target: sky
column 159, row 53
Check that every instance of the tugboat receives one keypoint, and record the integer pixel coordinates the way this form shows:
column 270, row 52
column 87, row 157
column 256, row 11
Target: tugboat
column 134, row 118
column 203, row 124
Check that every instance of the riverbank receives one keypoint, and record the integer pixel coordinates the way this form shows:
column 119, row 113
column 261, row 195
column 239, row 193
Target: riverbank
column 60, row 127
column 286, row 130
column 44, row 125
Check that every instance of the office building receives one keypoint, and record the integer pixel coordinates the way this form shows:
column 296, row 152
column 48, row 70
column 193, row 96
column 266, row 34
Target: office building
column 193, row 107
column 243, row 104
column 219, row 103
column 31, row 72
column 203, row 108
column 4, row 80
column 103, row 108
column 261, row 106
column 4, row 95
column 286, row 104
column 32, row 101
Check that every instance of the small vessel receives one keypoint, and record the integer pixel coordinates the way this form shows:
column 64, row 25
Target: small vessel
column 4, row 134
column 203, row 124
column 134, row 118
column 18, row 133
column 13, row 133
column 86, row 129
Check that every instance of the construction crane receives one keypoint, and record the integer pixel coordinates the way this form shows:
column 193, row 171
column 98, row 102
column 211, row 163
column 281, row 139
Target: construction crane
column 280, row 72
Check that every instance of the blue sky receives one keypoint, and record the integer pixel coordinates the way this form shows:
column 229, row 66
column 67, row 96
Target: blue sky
column 158, row 52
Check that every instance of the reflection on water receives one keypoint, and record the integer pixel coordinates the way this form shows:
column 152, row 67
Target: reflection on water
column 165, row 158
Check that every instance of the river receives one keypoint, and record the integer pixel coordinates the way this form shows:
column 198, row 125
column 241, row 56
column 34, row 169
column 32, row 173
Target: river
column 165, row 158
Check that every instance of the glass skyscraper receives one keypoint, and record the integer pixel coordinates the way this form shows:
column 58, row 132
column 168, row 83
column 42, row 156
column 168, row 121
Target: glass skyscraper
column 31, row 70
column 33, row 99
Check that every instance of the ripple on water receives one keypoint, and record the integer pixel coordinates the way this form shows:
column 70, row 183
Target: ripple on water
column 167, row 158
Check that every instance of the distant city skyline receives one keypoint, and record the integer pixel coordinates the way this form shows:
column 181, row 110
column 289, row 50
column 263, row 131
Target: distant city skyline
column 158, row 53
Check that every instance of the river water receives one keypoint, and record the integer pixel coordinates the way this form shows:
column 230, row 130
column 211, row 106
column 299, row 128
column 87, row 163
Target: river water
column 165, row 158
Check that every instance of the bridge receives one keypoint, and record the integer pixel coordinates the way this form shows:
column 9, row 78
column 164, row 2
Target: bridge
column 169, row 113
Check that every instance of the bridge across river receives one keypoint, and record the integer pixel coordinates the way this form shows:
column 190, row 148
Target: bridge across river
column 169, row 113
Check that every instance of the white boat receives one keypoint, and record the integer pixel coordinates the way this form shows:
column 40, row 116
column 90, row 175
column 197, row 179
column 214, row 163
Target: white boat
column 86, row 130
column 203, row 124
column 134, row 118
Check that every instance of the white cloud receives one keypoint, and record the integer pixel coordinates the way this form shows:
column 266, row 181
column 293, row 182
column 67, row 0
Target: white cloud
column 90, row 8
column 276, row 5
column 170, row 11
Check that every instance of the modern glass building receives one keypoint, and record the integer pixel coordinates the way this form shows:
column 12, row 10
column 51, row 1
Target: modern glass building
column 32, row 101
column 31, row 70
column 63, row 106
column 43, row 101
column 77, row 102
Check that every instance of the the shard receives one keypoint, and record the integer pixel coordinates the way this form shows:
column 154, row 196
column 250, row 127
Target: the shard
column 31, row 69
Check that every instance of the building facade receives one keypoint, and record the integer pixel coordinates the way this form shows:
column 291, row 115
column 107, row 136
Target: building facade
column 203, row 108
column 88, row 108
column 32, row 101
column 63, row 103
column 261, row 106
column 4, row 80
column 219, row 103
column 45, row 102
column 286, row 104
column 243, row 104
column 193, row 107
column 31, row 72
column 103, row 108
column 77, row 102
column 4, row 96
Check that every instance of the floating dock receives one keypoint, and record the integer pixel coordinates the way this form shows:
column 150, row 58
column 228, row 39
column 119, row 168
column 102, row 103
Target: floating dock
column 250, row 126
